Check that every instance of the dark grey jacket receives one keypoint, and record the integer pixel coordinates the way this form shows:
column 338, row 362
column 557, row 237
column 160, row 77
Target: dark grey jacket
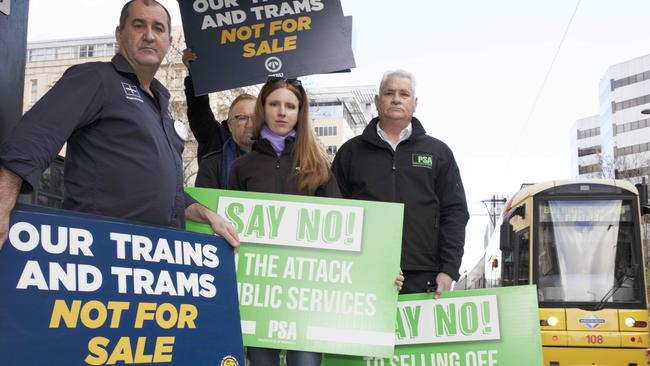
column 123, row 155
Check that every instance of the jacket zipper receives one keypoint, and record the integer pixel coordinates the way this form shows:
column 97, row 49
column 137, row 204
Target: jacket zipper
column 277, row 168
column 394, row 170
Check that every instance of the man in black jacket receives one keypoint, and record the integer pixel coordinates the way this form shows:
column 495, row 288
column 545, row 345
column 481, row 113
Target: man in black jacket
column 214, row 168
column 209, row 133
column 394, row 160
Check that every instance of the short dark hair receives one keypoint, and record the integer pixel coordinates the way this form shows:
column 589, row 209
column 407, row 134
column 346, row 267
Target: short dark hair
column 125, row 12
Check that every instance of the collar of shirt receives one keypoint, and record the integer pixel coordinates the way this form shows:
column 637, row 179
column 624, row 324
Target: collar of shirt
column 122, row 65
column 405, row 134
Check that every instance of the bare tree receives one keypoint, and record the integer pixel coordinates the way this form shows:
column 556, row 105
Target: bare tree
column 629, row 167
column 172, row 74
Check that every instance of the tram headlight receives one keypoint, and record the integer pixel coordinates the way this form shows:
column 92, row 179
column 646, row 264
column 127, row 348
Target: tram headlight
column 551, row 321
column 632, row 323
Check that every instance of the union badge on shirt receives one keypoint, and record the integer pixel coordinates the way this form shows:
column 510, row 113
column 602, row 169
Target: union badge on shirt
column 131, row 92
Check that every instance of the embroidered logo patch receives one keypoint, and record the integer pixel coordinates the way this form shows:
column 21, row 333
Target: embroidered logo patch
column 422, row 161
column 131, row 92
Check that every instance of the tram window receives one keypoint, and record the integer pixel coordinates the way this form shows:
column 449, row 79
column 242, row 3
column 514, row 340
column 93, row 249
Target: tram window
column 625, row 267
column 522, row 242
column 507, row 255
column 585, row 250
column 548, row 266
column 510, row 256
column 516, row 261
column 508, row 268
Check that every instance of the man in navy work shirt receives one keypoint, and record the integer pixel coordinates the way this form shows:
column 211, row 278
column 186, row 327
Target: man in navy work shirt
column 124, row 149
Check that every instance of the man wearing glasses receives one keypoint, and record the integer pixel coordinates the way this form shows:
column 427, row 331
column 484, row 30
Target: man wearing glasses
column 214, row 168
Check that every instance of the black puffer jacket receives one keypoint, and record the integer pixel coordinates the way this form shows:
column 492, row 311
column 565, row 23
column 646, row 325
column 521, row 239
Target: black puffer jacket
column 262, row 170
column 422, row 174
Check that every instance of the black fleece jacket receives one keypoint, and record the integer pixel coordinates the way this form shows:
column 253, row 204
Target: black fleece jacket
column 422, row 174
column 262, row 170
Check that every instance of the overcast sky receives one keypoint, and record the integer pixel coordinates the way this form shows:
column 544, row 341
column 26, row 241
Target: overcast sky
column 480, row 66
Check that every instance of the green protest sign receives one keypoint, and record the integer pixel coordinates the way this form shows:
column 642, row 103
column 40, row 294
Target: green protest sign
column 485, row 327
column 314, row 274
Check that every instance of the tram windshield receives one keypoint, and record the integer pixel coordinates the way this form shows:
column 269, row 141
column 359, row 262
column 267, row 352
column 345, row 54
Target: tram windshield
column 587, row 249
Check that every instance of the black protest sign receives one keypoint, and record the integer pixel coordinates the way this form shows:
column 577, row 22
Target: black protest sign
column 242, row 42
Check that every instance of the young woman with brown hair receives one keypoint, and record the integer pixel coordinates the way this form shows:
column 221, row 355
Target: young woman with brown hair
column 286, row 158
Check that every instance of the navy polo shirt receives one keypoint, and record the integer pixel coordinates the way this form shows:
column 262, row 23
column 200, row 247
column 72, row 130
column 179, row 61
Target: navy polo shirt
column 123, row 156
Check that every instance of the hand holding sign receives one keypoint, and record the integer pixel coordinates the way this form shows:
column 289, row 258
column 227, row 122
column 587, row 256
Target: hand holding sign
column 9, row 186
column 443, row 283
column 188, row 57
column 399, row 281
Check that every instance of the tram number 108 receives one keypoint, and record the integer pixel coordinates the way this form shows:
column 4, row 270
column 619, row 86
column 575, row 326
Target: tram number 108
column 594, row 339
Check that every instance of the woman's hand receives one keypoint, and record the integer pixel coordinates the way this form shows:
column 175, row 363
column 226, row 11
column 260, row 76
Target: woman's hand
column 399, row 281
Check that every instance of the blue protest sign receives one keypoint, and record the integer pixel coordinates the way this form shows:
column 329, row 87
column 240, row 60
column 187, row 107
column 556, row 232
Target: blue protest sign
column 241, row 43
column 85, row 290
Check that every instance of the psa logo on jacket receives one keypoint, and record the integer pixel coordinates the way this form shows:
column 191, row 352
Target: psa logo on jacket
column 422, row 161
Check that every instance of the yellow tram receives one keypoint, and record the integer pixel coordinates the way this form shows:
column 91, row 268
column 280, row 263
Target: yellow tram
column 581, row 243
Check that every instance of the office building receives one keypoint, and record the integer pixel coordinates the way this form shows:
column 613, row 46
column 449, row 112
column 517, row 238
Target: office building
column 586, row 148
column 340, row 113
column 619, row 144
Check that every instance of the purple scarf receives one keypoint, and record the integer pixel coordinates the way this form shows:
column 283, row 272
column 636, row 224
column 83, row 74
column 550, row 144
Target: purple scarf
column 276, row 141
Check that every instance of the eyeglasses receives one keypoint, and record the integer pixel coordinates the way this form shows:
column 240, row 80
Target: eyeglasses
column 295, row 82
column 242, row 118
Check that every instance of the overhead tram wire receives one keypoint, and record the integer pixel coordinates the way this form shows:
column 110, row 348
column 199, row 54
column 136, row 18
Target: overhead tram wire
column 541, row 90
